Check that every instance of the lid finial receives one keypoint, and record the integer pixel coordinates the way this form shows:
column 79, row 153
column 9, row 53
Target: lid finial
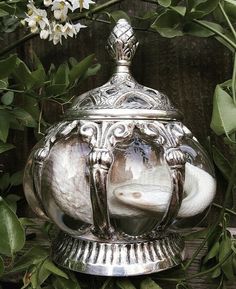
column 122, row 43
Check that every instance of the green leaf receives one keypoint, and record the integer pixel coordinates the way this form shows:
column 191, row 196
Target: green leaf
column 3, row 83
column 24, row 117
column 213, row 252
column 1, row 266
column 4, row 147
column 12, row 200
column 7, row 66
column 4, row 181
column 50, row 266
column 80, row 69
column 93, row 70
column 29, row 104
column 4, row 125
column 222, row 163
column 33, row 257
column 23, row 75
column 62, row 75
column 62, row 283
column 55, row 89
column 119, row 14
column 164, row 3
column 3, row 13
column 169, row 24
column 203, row 8
column 148, row 283
column 216, row 273
column 7, row 98
column 225, row 249
column 17, row 178
column 195, row 29
column 124, row 284
column 224, row 111
column 11, row 231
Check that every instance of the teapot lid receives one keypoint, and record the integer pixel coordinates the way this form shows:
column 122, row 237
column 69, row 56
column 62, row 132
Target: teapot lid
column 122, row 97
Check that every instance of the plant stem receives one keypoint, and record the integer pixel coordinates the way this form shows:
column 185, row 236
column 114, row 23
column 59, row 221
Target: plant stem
column 229, row 41
column 227, row 20
column 83, row 15
column 230, row 253
column 213, row 227
column 226, row 209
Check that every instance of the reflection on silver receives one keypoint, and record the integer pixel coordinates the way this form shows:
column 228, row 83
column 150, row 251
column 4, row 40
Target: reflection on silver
column 116, row 173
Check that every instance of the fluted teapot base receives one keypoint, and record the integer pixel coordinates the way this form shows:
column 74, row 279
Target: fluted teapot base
column 118, row 258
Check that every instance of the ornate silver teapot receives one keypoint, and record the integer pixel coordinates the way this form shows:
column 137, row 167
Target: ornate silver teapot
column 118, row 175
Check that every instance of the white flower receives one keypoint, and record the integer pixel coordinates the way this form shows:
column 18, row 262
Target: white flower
column 36, row 18
column 57, row 33
column 60, row 8
column 78, row 26
column 68, row 30
column 81, row 4
column 47, row 2
column 44, row 34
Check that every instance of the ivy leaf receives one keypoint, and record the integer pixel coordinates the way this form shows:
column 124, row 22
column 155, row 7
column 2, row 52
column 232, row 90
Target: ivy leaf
column 11, row 231
column 7, row 98
column 169, row 24
column 4, row 147
column 148, row 283
column 224, row 111
column 124, row 284
column 1, row 266
column 7, row 66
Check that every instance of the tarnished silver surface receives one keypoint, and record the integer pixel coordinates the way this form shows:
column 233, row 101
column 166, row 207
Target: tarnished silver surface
column 116, row 173
column 118, row 259
column 122, row 96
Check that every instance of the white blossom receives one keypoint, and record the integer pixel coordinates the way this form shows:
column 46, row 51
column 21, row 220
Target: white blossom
column 58, row 25
column 56, row 33
column 60, row 8
column 47, row 3
column 36, row 18
column 78, row 26
column 44, row 33
column 81, row 4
